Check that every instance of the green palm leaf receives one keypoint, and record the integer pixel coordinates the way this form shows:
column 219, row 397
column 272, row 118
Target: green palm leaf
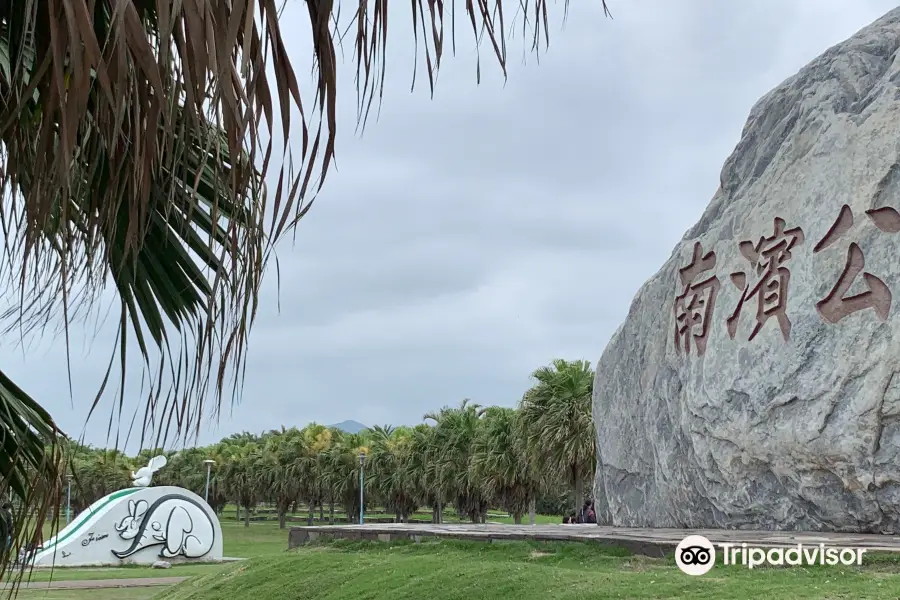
column 558, row 422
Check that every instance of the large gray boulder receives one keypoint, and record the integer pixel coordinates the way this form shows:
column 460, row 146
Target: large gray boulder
column 781, row 410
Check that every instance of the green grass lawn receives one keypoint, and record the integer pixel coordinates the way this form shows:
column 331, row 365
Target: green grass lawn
column 538, row 519
column 260, row 539
column 452, row 570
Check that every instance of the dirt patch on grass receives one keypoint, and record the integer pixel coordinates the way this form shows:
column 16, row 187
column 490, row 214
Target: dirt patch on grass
column 882, row 574
column 640, row 563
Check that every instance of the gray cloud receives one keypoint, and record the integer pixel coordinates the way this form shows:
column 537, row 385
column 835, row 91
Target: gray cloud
column 467, row 239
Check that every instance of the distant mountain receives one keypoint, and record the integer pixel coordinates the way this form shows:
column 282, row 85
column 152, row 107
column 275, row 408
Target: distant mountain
column 350, row 426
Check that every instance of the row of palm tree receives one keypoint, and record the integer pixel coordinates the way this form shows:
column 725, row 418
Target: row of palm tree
column 467, row 456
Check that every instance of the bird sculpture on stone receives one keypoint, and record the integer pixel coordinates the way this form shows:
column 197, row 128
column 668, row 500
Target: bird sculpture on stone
column 144, row 475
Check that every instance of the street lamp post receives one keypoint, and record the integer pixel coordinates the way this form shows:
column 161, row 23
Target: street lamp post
column 68, row 498
column 362, row 461
column 209, row 463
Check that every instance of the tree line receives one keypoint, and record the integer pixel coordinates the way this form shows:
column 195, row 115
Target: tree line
column 532, row 457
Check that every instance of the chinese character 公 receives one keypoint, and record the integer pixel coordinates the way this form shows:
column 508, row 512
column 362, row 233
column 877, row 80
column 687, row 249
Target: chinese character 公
column 836, row 305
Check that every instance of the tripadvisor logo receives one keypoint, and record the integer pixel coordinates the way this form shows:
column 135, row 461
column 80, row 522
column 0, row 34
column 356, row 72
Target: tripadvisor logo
column 696, row 555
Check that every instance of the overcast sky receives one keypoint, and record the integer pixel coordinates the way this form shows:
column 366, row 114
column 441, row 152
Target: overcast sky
column 466, row 240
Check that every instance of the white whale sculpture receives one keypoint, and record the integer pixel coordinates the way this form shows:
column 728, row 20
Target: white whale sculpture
column 138, row 525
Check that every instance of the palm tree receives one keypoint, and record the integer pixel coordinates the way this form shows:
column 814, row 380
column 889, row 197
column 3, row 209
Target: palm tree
column 186, row 469
column 96, row 473
column 286, row 465
column 132, row 152
column 389, row 479
column 557, row 422
column 320, row 439
column 456, row 431
column 423, row 469
column 341, row 471
column 217, row 490
column 501, row 464
column 240, row 474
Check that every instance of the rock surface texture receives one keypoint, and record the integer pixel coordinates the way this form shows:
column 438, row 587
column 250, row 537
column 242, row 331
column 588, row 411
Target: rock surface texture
column 756, row 380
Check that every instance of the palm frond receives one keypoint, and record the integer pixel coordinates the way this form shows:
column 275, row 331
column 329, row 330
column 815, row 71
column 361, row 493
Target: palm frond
column 30, row 468
column 136, row 137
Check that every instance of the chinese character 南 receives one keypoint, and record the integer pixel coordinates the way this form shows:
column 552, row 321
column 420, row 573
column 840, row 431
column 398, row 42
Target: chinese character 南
column 767, row 280
column 836, row 305
column 694, row 306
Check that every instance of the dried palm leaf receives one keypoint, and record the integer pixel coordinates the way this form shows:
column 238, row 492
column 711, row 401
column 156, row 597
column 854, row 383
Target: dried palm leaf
column 135, row 140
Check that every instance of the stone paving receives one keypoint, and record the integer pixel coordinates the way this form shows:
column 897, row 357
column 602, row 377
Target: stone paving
column 652, row 542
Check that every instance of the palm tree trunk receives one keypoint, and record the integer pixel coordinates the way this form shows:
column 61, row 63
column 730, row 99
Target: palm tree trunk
column 321, row 512
column 246, row 516
column 331, row 512
column 281, row 518
column 237, row 512
column 398, row 518
column 312, row 514
column 517, row 518
column 532, row 513
column 579, row 488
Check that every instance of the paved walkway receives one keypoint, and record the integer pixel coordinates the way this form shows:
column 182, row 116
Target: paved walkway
column 653, row 542
column 98, row 584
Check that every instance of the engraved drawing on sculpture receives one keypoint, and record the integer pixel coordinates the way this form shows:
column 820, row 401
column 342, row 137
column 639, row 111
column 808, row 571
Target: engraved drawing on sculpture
column 177, row 523
column 768, row 280
column 694, row 307
column 835, row 306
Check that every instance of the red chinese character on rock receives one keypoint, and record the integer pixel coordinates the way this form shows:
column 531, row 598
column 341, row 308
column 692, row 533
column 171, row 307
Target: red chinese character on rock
column 836, row 305
column 768, row 279
column 694, row 307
